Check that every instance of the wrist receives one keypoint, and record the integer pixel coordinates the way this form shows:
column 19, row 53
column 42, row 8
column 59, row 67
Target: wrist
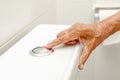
column 110, row 25
column 105, row 29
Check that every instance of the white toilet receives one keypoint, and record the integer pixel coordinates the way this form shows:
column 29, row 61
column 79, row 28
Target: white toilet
column 107, row 55
column 104, row 62
column 18, row 64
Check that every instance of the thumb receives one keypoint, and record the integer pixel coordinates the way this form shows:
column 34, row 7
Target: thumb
column 83, row 57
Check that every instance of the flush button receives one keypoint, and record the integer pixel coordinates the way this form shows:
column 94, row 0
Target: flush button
column 40, row 51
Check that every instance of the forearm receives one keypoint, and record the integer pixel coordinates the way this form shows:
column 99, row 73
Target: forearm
column 110, row 25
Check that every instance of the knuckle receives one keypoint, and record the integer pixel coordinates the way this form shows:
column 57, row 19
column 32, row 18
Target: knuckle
column 77, row 23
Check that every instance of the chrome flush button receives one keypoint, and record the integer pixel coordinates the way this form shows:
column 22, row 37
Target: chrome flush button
column 40, row 51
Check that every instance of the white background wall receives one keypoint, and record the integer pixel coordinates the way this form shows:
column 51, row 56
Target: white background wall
column 71, row 11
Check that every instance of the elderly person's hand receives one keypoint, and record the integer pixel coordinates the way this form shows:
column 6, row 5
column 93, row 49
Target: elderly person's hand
column 87, row 34
column 90, row 35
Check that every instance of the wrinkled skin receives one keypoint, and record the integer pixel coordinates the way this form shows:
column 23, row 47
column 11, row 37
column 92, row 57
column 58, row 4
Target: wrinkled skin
column 90, row 35
column 87, row 34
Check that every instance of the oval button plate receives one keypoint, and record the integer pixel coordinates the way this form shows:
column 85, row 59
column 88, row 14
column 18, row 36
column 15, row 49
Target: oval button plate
column 40, row 51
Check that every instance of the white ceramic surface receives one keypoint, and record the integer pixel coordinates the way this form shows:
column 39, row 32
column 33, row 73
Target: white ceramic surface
column 18, row 64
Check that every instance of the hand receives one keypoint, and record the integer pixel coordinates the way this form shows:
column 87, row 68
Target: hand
column 87, row 34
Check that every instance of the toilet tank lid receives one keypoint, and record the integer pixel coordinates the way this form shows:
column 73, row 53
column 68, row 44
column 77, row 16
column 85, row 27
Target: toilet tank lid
column 17, row 63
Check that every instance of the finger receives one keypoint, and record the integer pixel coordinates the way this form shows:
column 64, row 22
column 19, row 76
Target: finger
column 83, row 57
column 71, row 43
column 60, row 34
column 53, row 43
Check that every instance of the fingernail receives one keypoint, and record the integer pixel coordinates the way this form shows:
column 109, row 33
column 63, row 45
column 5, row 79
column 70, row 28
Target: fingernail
column 81, row 66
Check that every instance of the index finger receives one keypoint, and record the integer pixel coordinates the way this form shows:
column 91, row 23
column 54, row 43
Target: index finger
column 53, row 43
